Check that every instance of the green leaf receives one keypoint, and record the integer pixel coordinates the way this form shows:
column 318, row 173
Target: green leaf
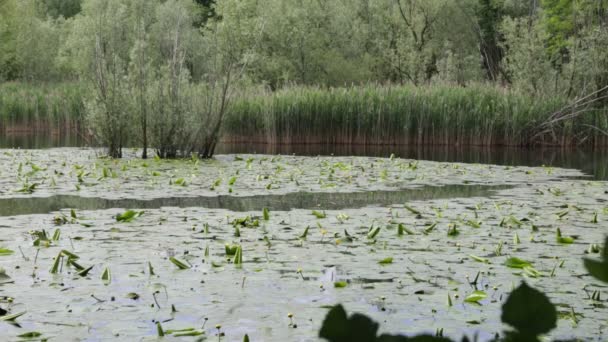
column 563, row 239
column 180, row 264
column 386, row 261
column 159, row 330
column 303, row 236
column 5, row 251
column 86, row 271
column 476, row 296
column 57, row 234
column 238, row 256
column 373, row 232
column 13, row 317
column 106, row 276
column 319, row 215
column 529, row 311
column 515, row 262
column 129, row 216
column 31, row 334
column 340, row 284
column 480, row 259
column 55, row 267
column 266, row 214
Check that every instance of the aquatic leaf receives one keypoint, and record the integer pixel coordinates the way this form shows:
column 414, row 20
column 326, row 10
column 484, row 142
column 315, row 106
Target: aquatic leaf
column 238, row 256
column 476, row 296
column 10, row 318
column 246, row 338
column 31, row 334
column 232, row 180
column 453, row 230
column 480, row 259
column 150, row 269
column 56, row 235
column 531, row 272
column 73, row 214
column 319, row 215
column 386, row 261
column 401, row 229
column 411, row 210
column 340, row 284
column 106, row 276
column 474, row 224
column 303, row 236
column 56, row 264
column 76, row 265
column 159, row 329
column 563, row 239
column 129, row 216
column 430, row 228
column 5, row 251
column 529, row 311
column 132, row 295
column 189, row 333
column 69, row 254
column 230, row 249
column 515, row 262
column 85, row 271
column 373, row 232
column 266, row 214
column 180, row 264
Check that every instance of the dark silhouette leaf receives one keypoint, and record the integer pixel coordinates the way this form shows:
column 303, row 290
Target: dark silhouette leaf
column 529, row 311
column 337, row 327
column 599, row 269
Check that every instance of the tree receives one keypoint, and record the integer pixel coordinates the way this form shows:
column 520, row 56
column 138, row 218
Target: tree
column 489, row 17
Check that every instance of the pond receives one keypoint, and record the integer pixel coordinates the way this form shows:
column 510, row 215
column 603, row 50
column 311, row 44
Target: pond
column 96, row 249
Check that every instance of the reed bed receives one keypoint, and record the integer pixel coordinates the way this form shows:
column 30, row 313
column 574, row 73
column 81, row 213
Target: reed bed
column 374, row 114
column 31, row 107
column 481, row 115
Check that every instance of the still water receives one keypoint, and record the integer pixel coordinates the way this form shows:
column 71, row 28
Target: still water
column 594, row 163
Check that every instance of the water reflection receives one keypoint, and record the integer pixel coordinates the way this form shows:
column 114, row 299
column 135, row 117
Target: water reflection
column 300, row 200
column 591, row 162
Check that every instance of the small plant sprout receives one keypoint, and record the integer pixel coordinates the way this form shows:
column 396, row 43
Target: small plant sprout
column 563, row 239
column 449, row 300
column 266, row 214
column 291, row 323
column 516, row 240
column 299, row 271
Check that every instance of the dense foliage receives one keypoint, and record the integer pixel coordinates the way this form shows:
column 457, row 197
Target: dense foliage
column 153, row 52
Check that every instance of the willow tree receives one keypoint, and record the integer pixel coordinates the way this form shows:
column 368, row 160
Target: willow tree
column 228, row 47
column 98, row 48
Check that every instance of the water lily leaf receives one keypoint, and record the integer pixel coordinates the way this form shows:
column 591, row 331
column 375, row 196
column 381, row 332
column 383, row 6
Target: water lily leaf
column 386, row 261
column 106, row 276
column 476, row 296
column 5, row 251
column 12, row 317
column 529, row 311
column 319, row 215
column 31, row 334
column 266, row 214
column 129, row 216
column 180, row 264
column 515, row 262
column 340, row 284
column 85, row 271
